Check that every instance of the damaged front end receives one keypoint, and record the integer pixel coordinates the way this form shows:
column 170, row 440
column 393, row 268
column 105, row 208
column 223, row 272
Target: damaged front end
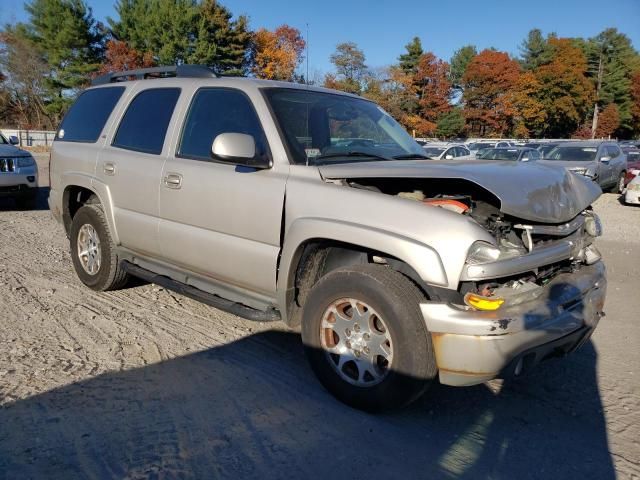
column 535, row 291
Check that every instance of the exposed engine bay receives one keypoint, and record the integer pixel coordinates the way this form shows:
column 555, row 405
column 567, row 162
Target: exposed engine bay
column 514, row 237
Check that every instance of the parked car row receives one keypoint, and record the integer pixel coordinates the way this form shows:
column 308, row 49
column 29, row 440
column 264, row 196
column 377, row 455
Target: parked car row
column 610, row 164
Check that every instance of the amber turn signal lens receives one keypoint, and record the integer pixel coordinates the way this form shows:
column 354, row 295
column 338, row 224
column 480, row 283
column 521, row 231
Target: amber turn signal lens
column 483, row 303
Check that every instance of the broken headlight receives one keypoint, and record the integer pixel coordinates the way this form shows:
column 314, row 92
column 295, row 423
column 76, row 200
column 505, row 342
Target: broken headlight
column 482, row 252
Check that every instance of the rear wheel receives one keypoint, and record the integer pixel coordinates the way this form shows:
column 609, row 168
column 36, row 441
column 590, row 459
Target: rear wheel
column 365, row 337
column 93, row 252
column 620, row 184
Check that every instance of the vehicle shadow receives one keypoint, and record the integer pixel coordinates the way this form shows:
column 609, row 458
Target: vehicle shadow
column 9, row 204
column 252, row 409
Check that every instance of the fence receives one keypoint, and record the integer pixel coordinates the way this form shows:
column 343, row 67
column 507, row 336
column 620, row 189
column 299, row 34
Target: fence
column 31, row 138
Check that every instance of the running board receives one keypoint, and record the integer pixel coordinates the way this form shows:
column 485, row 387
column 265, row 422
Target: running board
column 271, row 315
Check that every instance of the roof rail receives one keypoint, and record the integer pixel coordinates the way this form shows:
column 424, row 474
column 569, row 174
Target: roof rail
column 188, row 71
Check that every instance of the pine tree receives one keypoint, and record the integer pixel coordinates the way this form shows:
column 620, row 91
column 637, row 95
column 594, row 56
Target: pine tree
column 71, row 44
column 534, row 50
column 409, row 61
column 220, row 41
column 459, row 63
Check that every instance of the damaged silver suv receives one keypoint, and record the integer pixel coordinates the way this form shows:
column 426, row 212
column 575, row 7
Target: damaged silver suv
column 277, row 201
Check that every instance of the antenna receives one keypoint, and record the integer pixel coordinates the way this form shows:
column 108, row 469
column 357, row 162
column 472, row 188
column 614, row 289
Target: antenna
column 307, row 45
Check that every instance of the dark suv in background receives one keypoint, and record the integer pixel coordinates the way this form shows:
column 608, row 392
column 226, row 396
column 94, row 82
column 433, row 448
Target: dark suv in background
column 603, row 161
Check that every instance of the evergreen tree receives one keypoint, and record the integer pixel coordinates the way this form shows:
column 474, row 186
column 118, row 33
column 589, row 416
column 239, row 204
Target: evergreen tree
column 71, row 44
column 451, row 124
column 409, row 61
column 459, row 63
column 220, row 41
column 534, row 50
column 612, row 61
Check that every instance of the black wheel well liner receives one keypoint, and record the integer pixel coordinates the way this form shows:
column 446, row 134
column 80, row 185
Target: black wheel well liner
column 74, row 197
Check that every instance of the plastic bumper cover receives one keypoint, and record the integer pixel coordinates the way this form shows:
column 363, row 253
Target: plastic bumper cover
column 474, row 346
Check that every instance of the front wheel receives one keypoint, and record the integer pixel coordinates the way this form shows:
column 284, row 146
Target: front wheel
column 365, row 337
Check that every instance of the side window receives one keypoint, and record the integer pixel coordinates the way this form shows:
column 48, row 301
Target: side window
column 146, row 120
column 86, row 118
column 534, row 155
column 613, row 151
column 214, row 111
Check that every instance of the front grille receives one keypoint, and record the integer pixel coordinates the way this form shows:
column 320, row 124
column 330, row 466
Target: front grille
column 7, row 165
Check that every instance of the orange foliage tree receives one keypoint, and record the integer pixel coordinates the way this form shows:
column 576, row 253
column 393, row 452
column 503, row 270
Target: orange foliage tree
column 635, row 95
column 608, row 121
column 119, row 56
column 433, row 88
column 529, row 112
column 488, row 83
column 277, row 54
column 565, row 92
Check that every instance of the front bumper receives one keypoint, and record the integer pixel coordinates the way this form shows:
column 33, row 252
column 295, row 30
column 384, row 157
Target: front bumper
column 475, row 346
column 20, row 182
column 632, row 197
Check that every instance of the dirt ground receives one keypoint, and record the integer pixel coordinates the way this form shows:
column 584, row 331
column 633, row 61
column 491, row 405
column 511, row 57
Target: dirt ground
column 144, row 383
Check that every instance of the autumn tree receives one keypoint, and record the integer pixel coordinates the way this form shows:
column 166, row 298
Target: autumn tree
column 24, row 90
column 565, row 92
column 635, row 97
column 349, row 62
column 529, row 112
column 433, row 88
column 609, row 121
column 487, row 84
column 276, row 54
column 119, row 56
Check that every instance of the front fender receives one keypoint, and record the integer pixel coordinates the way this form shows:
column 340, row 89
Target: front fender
column 422, row 258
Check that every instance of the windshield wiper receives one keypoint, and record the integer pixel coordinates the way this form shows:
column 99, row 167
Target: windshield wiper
column 410, row 156
column 349, row 154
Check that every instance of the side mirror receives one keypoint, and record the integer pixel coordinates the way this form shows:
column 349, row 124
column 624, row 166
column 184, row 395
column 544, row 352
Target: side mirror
column 448, row 157
column 605, row 159
column 13, row 140
column 238, row 149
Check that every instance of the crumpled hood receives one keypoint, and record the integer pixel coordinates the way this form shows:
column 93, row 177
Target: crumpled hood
column 530, row 191
column 12, row 151
column 568, row 163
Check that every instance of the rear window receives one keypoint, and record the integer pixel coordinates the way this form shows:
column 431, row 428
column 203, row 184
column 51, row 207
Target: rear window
column 146, row 120
column 86, row 118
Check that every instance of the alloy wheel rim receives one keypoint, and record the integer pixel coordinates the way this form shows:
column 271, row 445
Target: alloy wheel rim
column 356, row 341
column 89, row 251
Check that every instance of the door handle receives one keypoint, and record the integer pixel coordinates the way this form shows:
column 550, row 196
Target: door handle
column 173, row 180
column 109, row 168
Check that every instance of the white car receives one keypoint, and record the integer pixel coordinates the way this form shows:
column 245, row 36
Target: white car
column 632, row 194
column 446, row 151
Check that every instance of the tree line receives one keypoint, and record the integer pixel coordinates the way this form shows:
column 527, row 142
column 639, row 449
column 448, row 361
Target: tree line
column 555, row 87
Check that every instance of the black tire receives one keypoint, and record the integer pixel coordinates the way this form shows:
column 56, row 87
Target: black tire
column 619, row 186
column 110, row 275
column 28, row 201
column 396, row 299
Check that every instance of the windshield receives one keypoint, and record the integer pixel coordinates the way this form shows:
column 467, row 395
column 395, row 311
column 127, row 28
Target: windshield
column 433, row 151
column 544, row 149
column 323, row 127
column 575, row 154
column 479, row 146
column 499, row 154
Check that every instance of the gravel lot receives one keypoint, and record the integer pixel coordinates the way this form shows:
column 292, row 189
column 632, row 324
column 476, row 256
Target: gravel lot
column 144, row 383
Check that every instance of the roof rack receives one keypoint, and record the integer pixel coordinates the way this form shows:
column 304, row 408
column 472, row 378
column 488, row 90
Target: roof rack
column 184, row 71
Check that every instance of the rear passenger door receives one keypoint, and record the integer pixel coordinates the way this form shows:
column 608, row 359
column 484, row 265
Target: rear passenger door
column 218, row 220
column 131, row 167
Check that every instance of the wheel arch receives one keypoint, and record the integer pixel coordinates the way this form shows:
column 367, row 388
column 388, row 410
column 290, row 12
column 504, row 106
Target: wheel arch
column 314, row 247
column 80, row 191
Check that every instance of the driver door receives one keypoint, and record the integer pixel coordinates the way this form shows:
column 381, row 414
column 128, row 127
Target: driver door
column 220, row 220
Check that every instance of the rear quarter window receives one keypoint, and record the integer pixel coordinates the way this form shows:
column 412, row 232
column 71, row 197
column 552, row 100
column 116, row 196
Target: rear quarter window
column 87, row 116
column 144, row 124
